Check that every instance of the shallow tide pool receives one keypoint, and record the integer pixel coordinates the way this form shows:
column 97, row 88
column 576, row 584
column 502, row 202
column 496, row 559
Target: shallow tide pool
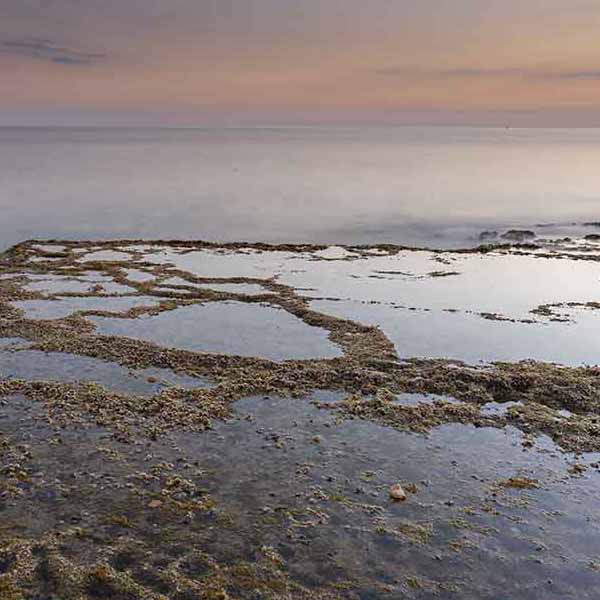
column 227, row 328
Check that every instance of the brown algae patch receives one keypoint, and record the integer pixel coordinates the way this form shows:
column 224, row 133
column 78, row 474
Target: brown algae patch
column 369, row 363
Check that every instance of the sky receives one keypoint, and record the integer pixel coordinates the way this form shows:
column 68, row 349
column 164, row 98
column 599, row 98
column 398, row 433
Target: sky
column 258, row 62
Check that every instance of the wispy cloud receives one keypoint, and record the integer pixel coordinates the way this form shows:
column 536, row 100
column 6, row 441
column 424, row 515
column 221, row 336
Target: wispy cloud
column 477, row 73
column 581, row 75
column 48, row 50
column 448, row 73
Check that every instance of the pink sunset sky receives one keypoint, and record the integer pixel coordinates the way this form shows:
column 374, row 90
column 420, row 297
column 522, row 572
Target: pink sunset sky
column 205, row 62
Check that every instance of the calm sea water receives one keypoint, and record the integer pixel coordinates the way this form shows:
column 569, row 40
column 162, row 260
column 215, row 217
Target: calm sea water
column 421, row 186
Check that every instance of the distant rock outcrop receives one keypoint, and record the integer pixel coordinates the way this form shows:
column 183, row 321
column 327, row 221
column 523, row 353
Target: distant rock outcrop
column 518, row 235
column 485, row 236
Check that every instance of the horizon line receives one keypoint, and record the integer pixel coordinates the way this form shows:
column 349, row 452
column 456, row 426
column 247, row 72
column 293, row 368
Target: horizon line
column 292, row 126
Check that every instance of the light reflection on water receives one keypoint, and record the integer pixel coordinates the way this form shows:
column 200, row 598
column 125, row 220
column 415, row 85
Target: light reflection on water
column 227, row 328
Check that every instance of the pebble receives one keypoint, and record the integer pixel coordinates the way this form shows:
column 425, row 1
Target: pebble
column 397, row 493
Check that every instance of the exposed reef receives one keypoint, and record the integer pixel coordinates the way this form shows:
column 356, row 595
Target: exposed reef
column 125, row 500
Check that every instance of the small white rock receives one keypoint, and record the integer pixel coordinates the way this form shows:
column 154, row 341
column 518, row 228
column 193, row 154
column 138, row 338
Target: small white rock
column 397, row 493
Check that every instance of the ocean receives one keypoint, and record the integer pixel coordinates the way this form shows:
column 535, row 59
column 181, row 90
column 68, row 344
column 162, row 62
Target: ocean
column 421, row 186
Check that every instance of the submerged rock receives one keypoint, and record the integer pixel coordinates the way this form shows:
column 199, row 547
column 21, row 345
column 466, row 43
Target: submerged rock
column 520, row 483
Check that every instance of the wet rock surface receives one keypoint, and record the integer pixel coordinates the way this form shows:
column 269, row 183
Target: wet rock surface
column 134, row 466
column 518, row 235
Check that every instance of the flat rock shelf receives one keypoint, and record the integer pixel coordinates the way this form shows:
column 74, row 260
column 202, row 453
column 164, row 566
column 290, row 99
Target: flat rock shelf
column 198, row 421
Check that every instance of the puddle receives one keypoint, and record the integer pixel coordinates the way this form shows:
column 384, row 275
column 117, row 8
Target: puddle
column 498, row 408
column 174, row 281
column 470, row 338
column 58, row 285
column 95, row 276
column 49, row 247
column 116, row 288
column 92, row 281
column 565, row 414
column 58, row 309
column 139, row 276
column 143, row 248
column 335, row 253
column 227, row 328
column 226, row 264
column 43, row 259
column 250, row 289
column 416, row 399
column 34, row 365
column 106, row 255
column 13, row 343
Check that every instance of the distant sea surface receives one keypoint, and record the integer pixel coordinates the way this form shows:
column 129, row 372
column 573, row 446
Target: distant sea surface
column 408, row 185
